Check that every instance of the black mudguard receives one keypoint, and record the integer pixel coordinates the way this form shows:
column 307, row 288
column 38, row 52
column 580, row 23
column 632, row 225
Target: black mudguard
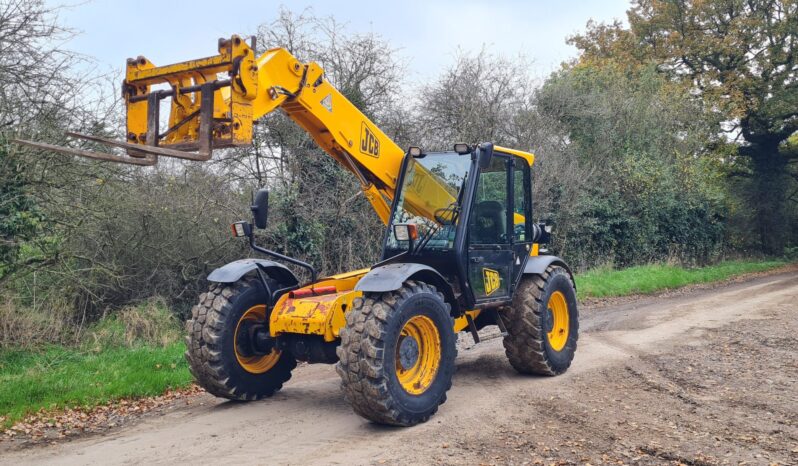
column 232, row 272
column 390, row 277
column 538, row 264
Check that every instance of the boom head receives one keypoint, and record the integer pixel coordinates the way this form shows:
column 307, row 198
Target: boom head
column 211, row 107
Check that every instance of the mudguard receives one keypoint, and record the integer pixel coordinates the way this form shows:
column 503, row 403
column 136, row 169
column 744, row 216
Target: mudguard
column 232, row 272
column 538, row 264
column 390, row 277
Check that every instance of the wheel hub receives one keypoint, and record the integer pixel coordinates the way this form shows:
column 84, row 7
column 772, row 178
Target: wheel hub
column 253, row 339
column 254, row 347
column 408, row 352
column 558, row 322
column 262, row 341
column 418, row 354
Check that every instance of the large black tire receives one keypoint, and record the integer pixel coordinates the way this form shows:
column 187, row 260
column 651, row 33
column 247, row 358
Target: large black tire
column 211, row 350
column 529, row 319
column 368, row 354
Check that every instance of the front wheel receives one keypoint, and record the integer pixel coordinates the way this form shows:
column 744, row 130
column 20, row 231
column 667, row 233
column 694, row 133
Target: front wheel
column 397, row 354
column 222, row 353
column 542, row 323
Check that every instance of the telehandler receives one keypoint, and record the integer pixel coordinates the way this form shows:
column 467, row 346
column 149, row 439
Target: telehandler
column 460, row 250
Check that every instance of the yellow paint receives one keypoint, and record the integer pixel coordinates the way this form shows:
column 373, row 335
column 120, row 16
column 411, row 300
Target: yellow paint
column 334, row 123
column 528, row 156
column 558, row 309
column 255, row 364
column 232, row 105
column 417, row 378
column 491, row 280
column 349, row 277
column 323, row 315
column 313, row 315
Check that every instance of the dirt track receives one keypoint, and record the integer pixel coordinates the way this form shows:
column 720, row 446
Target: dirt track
column 705, row 377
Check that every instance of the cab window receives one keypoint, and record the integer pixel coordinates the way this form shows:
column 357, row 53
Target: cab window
column 488, row 224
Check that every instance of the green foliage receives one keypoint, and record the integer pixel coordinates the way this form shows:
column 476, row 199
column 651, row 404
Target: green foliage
column 605, row 282
column 123, row 237
column 649, row 196
column 707, row 47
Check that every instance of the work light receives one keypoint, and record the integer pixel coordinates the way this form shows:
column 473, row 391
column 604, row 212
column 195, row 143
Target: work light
column 405, row 232
column 462, row 148
column 240, row 229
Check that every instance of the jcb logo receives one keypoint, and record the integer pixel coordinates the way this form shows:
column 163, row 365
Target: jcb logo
column 369, row 144
column 491, row 279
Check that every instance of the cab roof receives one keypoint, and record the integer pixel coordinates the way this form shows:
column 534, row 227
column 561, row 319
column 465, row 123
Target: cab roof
column 528, row 156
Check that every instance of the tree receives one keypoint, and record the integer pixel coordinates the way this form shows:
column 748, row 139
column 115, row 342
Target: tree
column 19, row 215
column 35, row 89
column 639, row 193
column 474, row 100
column 740, row 58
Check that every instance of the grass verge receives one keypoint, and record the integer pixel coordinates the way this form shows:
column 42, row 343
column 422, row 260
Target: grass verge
column 644, row 279
column 59, row 377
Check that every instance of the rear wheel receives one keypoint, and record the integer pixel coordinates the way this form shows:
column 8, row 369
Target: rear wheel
column 223, row 354
column 397, row 354
column 542, row 323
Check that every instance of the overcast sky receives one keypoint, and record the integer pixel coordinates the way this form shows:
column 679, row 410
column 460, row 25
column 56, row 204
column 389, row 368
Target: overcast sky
column 427, row 33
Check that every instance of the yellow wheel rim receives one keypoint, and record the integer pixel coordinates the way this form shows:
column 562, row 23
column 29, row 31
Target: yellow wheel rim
column 257, row 364
column 560, row 321
column 418, row 354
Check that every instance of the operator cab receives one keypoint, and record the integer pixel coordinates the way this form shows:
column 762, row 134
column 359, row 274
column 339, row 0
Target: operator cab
column 467, row 214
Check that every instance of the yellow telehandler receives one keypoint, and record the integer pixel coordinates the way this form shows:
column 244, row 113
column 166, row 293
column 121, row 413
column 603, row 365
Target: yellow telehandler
column 460, row 250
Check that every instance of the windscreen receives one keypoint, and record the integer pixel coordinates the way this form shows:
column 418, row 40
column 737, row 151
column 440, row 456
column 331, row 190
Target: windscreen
column 429, row 198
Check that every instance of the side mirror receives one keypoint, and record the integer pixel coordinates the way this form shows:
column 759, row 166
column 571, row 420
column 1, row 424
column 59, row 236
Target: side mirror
column 485, row 154
column 260, row 208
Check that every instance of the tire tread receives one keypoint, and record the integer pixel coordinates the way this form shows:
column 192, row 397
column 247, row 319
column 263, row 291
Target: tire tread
column 364, row 379
column 209, row 318
column 525, row 342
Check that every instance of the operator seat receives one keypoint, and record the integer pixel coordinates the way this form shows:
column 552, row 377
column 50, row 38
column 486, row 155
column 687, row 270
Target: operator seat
column 488, row 223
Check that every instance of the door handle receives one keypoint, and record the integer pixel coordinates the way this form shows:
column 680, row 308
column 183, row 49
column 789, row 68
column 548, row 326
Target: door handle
column 477, row 260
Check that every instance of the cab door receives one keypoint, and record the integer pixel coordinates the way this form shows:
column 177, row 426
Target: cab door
column 521, row 187
column 490, row 233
